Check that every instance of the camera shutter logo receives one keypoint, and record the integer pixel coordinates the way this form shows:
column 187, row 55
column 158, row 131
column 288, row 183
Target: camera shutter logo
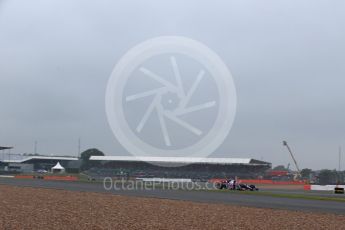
column 169, row 108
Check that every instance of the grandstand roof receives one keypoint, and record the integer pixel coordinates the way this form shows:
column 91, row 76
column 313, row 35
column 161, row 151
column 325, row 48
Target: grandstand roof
column 190, row 160
column 40, row 158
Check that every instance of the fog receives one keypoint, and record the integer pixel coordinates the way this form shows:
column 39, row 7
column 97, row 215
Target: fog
column 286, row 58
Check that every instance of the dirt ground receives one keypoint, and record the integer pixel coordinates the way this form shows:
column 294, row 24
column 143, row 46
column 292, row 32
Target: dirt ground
column 32, row 208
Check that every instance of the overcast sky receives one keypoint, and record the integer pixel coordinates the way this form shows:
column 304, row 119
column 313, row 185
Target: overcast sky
column 287, row 59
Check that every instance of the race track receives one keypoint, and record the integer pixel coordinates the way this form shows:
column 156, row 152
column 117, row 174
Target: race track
column 196, row 196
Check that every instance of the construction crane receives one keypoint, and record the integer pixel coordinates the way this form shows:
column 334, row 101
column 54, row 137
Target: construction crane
column 294, row 160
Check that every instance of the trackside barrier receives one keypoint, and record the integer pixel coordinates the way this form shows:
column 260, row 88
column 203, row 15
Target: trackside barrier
column 61, row 178
column 57, row 178
column 6, row 176
column 339, row 190
column 23, row 177
column 307, row 187
column 323, row 187
column 165, row 180
column 272, row 182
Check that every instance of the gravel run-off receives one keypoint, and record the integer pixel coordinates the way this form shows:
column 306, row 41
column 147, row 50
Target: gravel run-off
column 35, row 208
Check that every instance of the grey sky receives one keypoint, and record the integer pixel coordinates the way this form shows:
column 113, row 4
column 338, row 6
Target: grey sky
column 286, row 57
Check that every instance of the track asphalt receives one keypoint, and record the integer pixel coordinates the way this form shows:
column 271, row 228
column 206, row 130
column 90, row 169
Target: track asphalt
column 195, row 196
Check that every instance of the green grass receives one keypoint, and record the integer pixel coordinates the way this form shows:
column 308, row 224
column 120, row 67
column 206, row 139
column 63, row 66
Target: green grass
column 285, row 195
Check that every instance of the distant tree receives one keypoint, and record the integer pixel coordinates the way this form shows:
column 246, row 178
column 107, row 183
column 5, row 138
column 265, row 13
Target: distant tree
column 85, row 158
column 280, row 168
column 91, row 152
column 305, row 173
column 327, row 176
column 342, row 177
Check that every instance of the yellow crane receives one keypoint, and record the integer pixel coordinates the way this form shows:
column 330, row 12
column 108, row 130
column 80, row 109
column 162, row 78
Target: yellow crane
column 298, row 175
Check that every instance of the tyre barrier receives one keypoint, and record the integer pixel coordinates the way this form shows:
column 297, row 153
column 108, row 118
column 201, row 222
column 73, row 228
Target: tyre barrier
column 339, row 191
column 41, row 177
column 38, row 177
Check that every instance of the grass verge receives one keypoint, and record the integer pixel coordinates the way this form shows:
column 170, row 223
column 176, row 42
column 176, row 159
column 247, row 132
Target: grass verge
column 284, row 195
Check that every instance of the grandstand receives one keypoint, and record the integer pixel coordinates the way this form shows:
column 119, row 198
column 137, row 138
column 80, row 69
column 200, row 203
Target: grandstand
column 4, row 148
column 20, row 164
column 178, row 167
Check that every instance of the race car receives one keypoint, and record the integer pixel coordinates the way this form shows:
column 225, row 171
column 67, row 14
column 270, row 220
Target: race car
column 227, row 184
column 245, row 187
column 224, row 184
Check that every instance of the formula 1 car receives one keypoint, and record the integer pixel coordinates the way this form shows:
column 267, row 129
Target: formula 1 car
column 245, row 187
column 225, row 184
